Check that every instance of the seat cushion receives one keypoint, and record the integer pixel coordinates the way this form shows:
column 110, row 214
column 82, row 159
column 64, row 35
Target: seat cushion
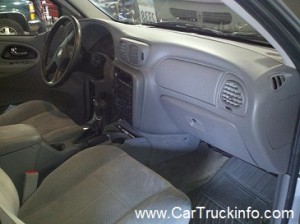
column 53, row 125
column 102, row 185
column 9, row 198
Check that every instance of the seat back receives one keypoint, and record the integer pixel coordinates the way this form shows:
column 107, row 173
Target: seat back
column 9, row 201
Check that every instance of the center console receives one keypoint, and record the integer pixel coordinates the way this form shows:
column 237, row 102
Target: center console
column 19, row 149
column 129, row 132
column 22, row 149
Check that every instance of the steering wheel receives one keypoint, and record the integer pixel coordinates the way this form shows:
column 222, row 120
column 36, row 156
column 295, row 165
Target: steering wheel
column 57, row 67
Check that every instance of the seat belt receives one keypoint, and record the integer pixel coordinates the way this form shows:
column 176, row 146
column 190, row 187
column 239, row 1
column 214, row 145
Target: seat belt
column 30, row 184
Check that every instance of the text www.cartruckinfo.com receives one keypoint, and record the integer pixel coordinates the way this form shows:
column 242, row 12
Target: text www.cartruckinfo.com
column 203, row 213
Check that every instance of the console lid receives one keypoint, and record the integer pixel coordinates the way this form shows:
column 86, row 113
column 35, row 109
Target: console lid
column 16, row 137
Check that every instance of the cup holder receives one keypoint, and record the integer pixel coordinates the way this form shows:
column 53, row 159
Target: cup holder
column 118, row 138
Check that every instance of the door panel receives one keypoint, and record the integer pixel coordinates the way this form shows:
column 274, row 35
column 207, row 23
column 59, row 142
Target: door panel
column 16, row 58
column 21, row 81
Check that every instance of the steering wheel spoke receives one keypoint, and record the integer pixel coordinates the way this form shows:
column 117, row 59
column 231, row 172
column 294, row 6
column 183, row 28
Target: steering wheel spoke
column 57, row 75
column 67, row 40
column 50, row 65
column 58, row 68
column 69, row 51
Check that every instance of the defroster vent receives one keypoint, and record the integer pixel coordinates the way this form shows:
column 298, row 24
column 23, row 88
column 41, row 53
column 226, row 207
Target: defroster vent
column 232, row 94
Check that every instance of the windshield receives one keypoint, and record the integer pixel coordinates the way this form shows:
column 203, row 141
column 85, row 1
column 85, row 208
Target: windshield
column 204, row 17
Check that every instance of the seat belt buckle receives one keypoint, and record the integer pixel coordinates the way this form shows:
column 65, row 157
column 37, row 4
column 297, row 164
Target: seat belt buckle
column 30, row 184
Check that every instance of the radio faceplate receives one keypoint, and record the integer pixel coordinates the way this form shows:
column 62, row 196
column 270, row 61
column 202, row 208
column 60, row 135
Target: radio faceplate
column 123, row 94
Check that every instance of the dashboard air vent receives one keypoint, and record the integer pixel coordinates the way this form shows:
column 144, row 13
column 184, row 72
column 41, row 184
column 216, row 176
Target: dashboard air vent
column 133, row 52
column 123, row 50
column 232, row 94
column 277, row 81
column 133, row 55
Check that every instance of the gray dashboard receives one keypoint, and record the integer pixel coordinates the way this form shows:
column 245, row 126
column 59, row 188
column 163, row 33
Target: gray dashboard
column 237, row 97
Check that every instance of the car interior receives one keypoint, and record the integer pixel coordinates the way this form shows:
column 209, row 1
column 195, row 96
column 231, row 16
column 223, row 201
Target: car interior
column 116, row 117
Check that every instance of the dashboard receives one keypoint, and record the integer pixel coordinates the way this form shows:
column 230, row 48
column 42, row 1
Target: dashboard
column 238, row 97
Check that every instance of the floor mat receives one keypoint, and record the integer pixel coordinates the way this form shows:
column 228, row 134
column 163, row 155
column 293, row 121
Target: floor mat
column 236, row 187
column 191, row 170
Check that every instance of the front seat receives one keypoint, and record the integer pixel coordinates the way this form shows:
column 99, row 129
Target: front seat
column 53, row 125
column 98, row 185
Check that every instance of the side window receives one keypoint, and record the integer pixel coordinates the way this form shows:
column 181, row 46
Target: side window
column 24, row 17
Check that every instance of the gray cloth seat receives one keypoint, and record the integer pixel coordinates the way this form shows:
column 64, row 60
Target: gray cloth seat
column 53, row 125
column 100, row 185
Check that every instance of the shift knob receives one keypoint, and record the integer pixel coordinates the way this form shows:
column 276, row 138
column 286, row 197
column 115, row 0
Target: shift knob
column 100, row 106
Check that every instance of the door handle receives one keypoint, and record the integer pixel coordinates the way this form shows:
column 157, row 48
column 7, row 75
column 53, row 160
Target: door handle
column 14, row 51
column 18, row 52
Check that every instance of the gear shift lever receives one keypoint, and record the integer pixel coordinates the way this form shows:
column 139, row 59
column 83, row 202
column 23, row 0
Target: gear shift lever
column 100, row 107
column 95, row 131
